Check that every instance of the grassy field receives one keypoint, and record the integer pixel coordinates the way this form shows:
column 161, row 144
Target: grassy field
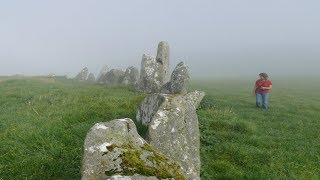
column 43, row 123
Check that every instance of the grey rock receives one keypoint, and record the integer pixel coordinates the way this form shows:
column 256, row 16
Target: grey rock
column 147, row 82
column 114, row 150
column 101, row 78
column 131, row 76
column 83, row 74
column 91, row 77
column 114, row 76
column 173, row 128
column 155, row 71
column 162, row 59
column 179, row 80
column 149, row 107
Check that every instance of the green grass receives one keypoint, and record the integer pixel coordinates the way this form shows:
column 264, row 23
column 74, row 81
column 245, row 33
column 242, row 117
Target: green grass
column 43, row 123
column 240, row 141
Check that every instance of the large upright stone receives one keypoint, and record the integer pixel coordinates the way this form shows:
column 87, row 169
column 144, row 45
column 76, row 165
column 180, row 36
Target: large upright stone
column 173, row 128
column 101, row 78
column 131, row 76
column 114, row 150
column 83, row 74
column 163, row 63
column 114, row 76
column 91, row 77
column 147, row 82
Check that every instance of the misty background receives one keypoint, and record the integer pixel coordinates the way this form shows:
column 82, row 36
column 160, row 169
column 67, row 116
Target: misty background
column 225, row 38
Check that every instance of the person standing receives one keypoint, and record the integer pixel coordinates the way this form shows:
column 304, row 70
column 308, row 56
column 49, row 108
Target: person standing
column 261, row 90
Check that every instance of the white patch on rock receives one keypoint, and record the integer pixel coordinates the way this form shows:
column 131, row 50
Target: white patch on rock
column 190, row 170
column 161, row 114
column 155, row 124
column 141, row 140
column 119, row 177
column 173, row 130
column 185, row 157
column 91, row 149
column 100, row 126
column 103, row 147
column 123, row 120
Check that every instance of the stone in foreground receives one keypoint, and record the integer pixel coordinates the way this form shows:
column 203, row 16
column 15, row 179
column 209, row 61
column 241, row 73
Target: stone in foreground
column 173, row 128
column 114, row 150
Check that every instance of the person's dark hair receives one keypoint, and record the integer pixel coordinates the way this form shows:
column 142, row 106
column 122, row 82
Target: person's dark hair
column 264, row 75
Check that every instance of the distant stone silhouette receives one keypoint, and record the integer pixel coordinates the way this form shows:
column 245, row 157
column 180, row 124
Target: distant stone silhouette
column 114, row 76
column 83, row 74
column 101, row 76
column 91, row 77
column 131, row 76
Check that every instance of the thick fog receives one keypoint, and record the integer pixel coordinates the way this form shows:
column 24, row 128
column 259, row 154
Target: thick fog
column 224, row 38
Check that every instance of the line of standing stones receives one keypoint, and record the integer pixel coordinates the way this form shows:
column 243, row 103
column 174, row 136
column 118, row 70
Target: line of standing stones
column 171, row 149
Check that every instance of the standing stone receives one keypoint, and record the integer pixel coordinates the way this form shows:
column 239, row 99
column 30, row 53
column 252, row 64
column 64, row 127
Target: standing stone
column 163, row 63
column 91, row 77
column 179, row 80
column 83, row 74
column 131, row 76
column 173, row 128
column 147, row 81
column 101, row 77
column 115, row 150
column 114, row 76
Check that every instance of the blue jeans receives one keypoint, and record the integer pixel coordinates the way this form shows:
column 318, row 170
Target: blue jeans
column 264, row 97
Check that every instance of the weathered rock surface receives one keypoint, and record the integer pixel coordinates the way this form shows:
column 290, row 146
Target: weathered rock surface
column 114, row 150
column 83, row 74
column 91, row 77
column 173, row 128
column 147, row 81
column 155, row 71
column 131, row 76
column 179, row 80
column 114, row 76
column 162, row 59
column 101, row 78
column 149, row 107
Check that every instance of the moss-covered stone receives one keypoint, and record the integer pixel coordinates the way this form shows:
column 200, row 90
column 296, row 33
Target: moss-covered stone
column 133, row 163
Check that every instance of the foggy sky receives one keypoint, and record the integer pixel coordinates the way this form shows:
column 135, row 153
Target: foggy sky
column 215, row 38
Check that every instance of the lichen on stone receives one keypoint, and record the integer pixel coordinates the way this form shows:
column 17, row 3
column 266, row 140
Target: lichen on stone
column 133, row 163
